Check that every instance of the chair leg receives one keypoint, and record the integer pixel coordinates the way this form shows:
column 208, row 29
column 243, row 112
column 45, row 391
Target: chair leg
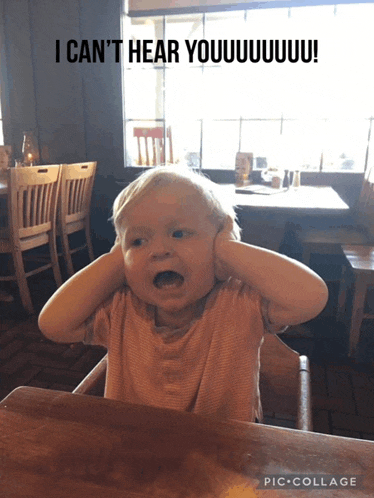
column 54, row 259
column 306, row 255
column 67, row 255
column 343, row 287
column 22, row 281
column 89, row 242
column 357, row 314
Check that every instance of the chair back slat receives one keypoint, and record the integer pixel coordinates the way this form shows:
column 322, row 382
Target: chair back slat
column 46, row 206
column 66, row 194
column 83, row 186
column 35, row 206
column 80, row 190
column 72, row 186
column 78, row 204
column 154, row 150
column 40, row 214
column 76, row 207
column 47, row 190
column 26, row 222
column 50, row 199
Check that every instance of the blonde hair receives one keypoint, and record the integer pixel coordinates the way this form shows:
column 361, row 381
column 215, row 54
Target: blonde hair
column 220, row 206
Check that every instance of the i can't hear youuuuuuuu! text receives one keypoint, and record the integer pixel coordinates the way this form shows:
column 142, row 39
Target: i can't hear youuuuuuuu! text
column 198, row 51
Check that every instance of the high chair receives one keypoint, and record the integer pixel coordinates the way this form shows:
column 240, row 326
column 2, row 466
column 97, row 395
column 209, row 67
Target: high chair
column 284, row 382
column 31, row 223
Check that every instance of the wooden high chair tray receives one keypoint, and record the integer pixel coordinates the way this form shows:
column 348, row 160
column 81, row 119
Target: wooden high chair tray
column 58, row 444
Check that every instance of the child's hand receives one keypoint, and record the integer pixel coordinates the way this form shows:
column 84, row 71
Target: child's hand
column 222, row 238
column 116, row 252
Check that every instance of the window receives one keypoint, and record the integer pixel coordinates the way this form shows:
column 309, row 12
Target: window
column 314, row 116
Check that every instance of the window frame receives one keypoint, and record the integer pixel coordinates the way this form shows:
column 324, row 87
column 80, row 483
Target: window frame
column 281, row 120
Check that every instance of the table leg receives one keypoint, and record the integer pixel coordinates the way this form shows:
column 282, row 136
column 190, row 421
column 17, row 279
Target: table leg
column 357, row 312
column 342, row 298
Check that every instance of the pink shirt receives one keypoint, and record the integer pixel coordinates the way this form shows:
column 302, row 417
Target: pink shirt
column 211, row 368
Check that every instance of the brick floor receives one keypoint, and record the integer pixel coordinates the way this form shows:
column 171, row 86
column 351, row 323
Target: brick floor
column 27, row 358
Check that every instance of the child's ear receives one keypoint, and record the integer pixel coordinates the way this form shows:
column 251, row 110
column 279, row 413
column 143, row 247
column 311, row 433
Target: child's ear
column 222, row 224
column 118, row 240
column 226, row 229
column 228, row 224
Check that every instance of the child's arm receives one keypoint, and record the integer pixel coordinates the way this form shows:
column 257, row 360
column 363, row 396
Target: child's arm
column 63, row 315
column 295, row 293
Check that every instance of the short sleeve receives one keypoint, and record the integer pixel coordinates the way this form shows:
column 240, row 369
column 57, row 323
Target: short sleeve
column 98, row 326
column 270, row 327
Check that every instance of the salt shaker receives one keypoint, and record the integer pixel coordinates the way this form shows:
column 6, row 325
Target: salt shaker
column 296, row 179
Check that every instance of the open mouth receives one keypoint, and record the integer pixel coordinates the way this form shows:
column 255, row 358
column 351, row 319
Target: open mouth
column 168, row 279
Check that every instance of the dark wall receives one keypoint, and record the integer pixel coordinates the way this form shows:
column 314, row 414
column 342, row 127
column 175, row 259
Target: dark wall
column 74, row 109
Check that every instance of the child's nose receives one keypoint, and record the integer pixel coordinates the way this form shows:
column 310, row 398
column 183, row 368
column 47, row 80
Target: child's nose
column 161, row 247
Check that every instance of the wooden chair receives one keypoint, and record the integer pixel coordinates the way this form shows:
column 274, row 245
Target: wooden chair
column 284, row 382
column 31, row 207
column 360, row 263
column 157, row 138
column 74, row 208
column 360, row 232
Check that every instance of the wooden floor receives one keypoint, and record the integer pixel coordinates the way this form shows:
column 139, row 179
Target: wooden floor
column 343, row 389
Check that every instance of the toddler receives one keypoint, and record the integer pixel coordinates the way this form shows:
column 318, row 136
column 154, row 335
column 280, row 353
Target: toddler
column 179, row 302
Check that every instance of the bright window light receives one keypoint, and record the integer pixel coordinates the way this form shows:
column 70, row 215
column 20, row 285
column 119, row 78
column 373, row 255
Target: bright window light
column 296, row 115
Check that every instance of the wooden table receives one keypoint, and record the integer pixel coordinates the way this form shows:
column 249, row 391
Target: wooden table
column 305, row 200
column 56, row 444
column 263, row 218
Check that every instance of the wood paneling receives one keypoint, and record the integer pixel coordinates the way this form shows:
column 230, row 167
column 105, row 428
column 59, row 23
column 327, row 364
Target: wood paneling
column 74, row 108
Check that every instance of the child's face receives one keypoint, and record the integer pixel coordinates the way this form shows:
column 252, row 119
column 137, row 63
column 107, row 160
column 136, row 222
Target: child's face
column 168, row 248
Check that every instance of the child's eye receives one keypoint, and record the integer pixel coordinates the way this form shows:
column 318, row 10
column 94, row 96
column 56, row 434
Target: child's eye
column 179, row 234
column 137, row 242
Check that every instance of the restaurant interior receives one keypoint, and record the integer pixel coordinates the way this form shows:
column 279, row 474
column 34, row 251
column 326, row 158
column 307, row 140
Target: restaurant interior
column 307, row 143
